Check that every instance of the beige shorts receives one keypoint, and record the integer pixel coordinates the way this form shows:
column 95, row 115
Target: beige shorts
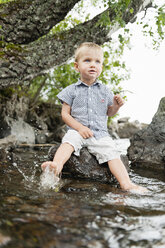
column 103, row 148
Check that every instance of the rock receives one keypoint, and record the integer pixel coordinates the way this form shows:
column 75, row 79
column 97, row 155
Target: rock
column 86, row 166
column 40, row 136
column 58, row 134
column 6, row 145
column 123, row 120
column 17, row 128
column 36, row 121
column 49, row 113
column 148, row 145
column 128, row 129
column 8, row 141
column 3, row 155
column 125, row 129
column 38, row 124
column 113, row 130
column 23, row 132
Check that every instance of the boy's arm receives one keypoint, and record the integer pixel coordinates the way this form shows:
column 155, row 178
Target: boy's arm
column 84, row 131
column 117, row 103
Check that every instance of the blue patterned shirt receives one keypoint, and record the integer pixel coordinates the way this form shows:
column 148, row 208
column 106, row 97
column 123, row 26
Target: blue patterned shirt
column 89, row 105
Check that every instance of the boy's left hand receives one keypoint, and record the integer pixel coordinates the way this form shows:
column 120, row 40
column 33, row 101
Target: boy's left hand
column 118, row 100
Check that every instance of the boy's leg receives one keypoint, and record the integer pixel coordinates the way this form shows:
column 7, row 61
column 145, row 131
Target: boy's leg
column 62, row 154
column 118, row 169
column 71, row 142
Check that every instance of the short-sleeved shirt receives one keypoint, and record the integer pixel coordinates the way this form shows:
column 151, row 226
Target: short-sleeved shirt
column 89, row 105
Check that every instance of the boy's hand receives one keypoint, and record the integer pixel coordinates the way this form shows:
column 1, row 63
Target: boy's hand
column 118, row 100
column 85, row 132
column 117, row 103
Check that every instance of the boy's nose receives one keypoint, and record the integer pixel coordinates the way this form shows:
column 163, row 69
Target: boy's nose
column 92, row 64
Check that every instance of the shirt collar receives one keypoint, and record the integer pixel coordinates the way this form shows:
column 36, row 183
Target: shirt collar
column 79, row 82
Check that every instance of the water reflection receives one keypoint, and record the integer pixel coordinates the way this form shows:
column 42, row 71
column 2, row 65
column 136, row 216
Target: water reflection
column 81, row 213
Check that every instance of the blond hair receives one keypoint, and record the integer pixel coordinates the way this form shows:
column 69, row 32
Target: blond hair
column 88, row 45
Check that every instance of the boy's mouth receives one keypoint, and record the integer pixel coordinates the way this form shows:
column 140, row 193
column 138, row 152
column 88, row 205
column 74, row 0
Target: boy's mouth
column 92, row 71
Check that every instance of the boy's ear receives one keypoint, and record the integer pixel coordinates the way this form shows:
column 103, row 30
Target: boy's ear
column 76, row 66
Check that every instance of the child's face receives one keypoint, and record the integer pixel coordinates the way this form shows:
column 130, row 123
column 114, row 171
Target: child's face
column 89, row 64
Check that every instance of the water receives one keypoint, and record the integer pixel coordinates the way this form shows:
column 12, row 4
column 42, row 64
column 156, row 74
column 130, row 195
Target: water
column 48, row 180
column 78, row 213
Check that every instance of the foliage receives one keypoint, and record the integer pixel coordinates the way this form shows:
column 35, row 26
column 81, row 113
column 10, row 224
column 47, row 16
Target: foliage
column 115, row 70
column 153, row 25
column 55, row 81
column 5, row 1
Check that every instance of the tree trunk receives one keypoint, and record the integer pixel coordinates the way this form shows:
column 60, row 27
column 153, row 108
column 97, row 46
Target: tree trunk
column 23, row 55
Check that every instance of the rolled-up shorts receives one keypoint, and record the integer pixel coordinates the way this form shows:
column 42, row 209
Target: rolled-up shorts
column 103, row 149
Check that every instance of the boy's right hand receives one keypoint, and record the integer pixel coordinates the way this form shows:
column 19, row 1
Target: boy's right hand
column 85, row 132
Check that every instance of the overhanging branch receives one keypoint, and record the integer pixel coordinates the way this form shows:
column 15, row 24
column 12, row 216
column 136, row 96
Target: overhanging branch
column 23, row 21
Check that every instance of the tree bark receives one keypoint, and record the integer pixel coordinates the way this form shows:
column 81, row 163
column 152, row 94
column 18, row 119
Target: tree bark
column 21, row 62
column 24, row 21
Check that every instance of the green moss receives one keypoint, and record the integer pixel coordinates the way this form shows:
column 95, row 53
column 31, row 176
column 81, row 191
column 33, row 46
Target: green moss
column 10, row 46
column 6, row 93
column 11, row 49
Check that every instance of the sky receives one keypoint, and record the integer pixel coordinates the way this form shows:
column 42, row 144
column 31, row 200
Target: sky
column 147, row 82
column 147, row 73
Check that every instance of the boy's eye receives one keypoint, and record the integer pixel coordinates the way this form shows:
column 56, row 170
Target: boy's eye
column 98, row 61
column 87, row 60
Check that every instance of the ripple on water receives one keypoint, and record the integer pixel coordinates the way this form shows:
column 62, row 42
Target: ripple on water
column 81, row 214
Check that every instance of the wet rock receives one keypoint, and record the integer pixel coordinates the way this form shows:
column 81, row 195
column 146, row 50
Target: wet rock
column 85, row 166
column 148, row 145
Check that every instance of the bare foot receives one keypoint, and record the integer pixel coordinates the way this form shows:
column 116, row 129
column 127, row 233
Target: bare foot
column 135, row 188
column 53, row 166
column 48, row 179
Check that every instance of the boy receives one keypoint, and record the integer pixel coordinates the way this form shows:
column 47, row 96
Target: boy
column 85, row 107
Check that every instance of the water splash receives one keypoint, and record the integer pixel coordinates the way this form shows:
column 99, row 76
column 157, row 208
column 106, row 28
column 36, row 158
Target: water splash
column 29, row 181
column 48, row 179
column 21, row 172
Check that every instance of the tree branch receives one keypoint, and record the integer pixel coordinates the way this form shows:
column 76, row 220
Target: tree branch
column 22, row 63
column 23, row 21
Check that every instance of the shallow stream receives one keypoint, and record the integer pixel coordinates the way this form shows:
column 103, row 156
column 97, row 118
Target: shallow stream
column 80, row 214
